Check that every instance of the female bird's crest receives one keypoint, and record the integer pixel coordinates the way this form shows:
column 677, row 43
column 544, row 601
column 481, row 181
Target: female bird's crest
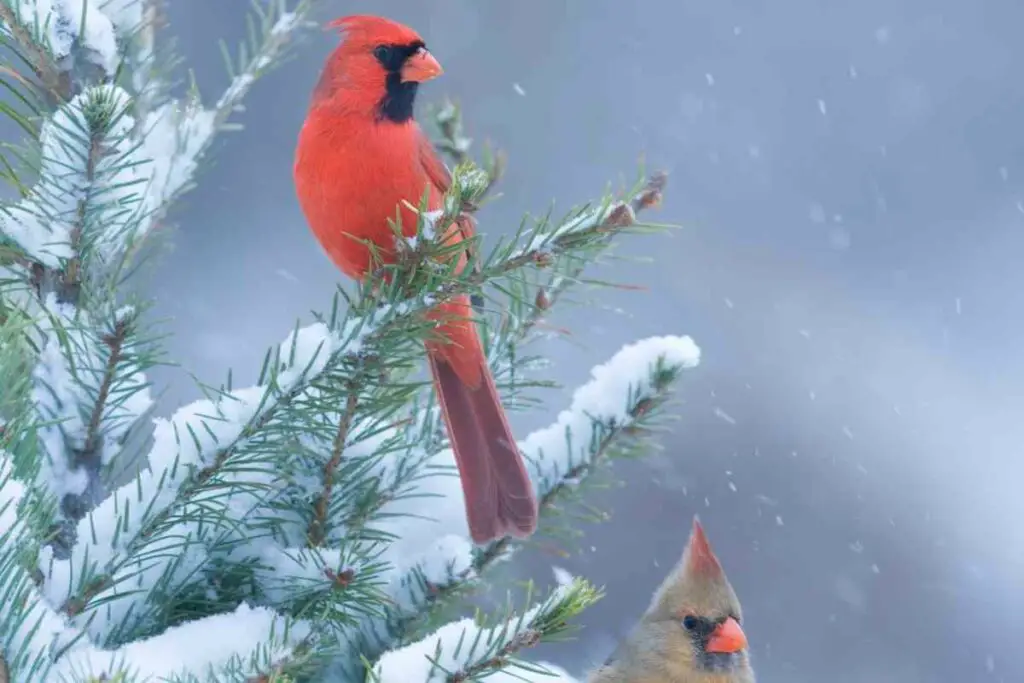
column 700, row 558
column 697, row 582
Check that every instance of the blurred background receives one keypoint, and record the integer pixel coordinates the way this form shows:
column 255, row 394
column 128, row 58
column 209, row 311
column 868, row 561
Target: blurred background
column 850, row 178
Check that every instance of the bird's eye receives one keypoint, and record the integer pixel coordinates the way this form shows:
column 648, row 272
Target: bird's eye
column 382, row 53
column 689, row 622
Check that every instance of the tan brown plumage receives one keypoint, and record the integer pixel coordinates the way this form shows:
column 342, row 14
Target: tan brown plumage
column 690, row 633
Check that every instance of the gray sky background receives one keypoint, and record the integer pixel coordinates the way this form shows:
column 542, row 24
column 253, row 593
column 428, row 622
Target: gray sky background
column 850, row 178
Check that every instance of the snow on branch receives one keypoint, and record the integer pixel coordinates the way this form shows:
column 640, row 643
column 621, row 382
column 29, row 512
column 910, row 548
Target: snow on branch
column 138, row 533
column 59, row 26
column 641, row 373
column 91, row 391
column 125, row 161
column 467, row 650
column 232, row 646
column 79, row 146
column 29, row 628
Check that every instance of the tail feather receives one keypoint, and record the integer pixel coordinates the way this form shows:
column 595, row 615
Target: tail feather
column 498, row 492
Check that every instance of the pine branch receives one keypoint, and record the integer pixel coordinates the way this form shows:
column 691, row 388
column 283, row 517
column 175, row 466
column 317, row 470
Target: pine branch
column 355, row 365
column 114, row 342
column 144, row 45
column 649, row 196
column 470, row 651
column 270, row 29
column 611, row 438
column 56, row 82
column 268, row 37
column 70, row 276
column 318, row 525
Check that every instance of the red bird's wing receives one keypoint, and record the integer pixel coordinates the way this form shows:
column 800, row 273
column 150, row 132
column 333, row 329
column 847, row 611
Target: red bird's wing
column 435, row 169
column 441, row 178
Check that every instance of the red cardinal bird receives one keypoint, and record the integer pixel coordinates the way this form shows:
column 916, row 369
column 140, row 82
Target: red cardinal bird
column 360, row 156
column 690, row 633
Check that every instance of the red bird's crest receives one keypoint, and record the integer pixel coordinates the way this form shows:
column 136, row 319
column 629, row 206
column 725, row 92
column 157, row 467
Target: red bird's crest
column 367, row 29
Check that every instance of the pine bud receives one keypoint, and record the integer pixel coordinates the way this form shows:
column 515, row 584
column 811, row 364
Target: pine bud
column 529, row 638
column 542, row 301
column 642, row 407
column 340, row 579
column 542, row 259
column 649, row 199
column 652, row 194
column 621, row 216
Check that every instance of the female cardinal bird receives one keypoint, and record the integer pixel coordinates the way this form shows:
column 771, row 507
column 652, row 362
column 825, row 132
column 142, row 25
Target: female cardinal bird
column 691, row 632
column 360, row 157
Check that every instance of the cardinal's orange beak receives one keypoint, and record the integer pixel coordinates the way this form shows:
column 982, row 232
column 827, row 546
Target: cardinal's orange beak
column 727, row 637
column 421, row 66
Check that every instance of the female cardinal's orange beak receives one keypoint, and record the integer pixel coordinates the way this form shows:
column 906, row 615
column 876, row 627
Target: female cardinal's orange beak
column 727, row 637
column 421, row 66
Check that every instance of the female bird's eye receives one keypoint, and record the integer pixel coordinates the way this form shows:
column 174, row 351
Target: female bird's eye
column 689, row 622
column 382, row 53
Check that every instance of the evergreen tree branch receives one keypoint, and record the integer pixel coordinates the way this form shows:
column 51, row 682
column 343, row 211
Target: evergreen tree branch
column 268, row 36
column 470, row 651
column 56, row 83
column 149, row 82
column 391, row 326
column 318, row 525
column 69, row 277
column 114, row 342
column 611, row 436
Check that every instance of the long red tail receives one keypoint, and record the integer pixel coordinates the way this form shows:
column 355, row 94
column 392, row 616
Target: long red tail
column 497, row 488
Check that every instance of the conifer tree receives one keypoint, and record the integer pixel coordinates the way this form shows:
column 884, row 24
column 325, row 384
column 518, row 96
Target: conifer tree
column 307, row 528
